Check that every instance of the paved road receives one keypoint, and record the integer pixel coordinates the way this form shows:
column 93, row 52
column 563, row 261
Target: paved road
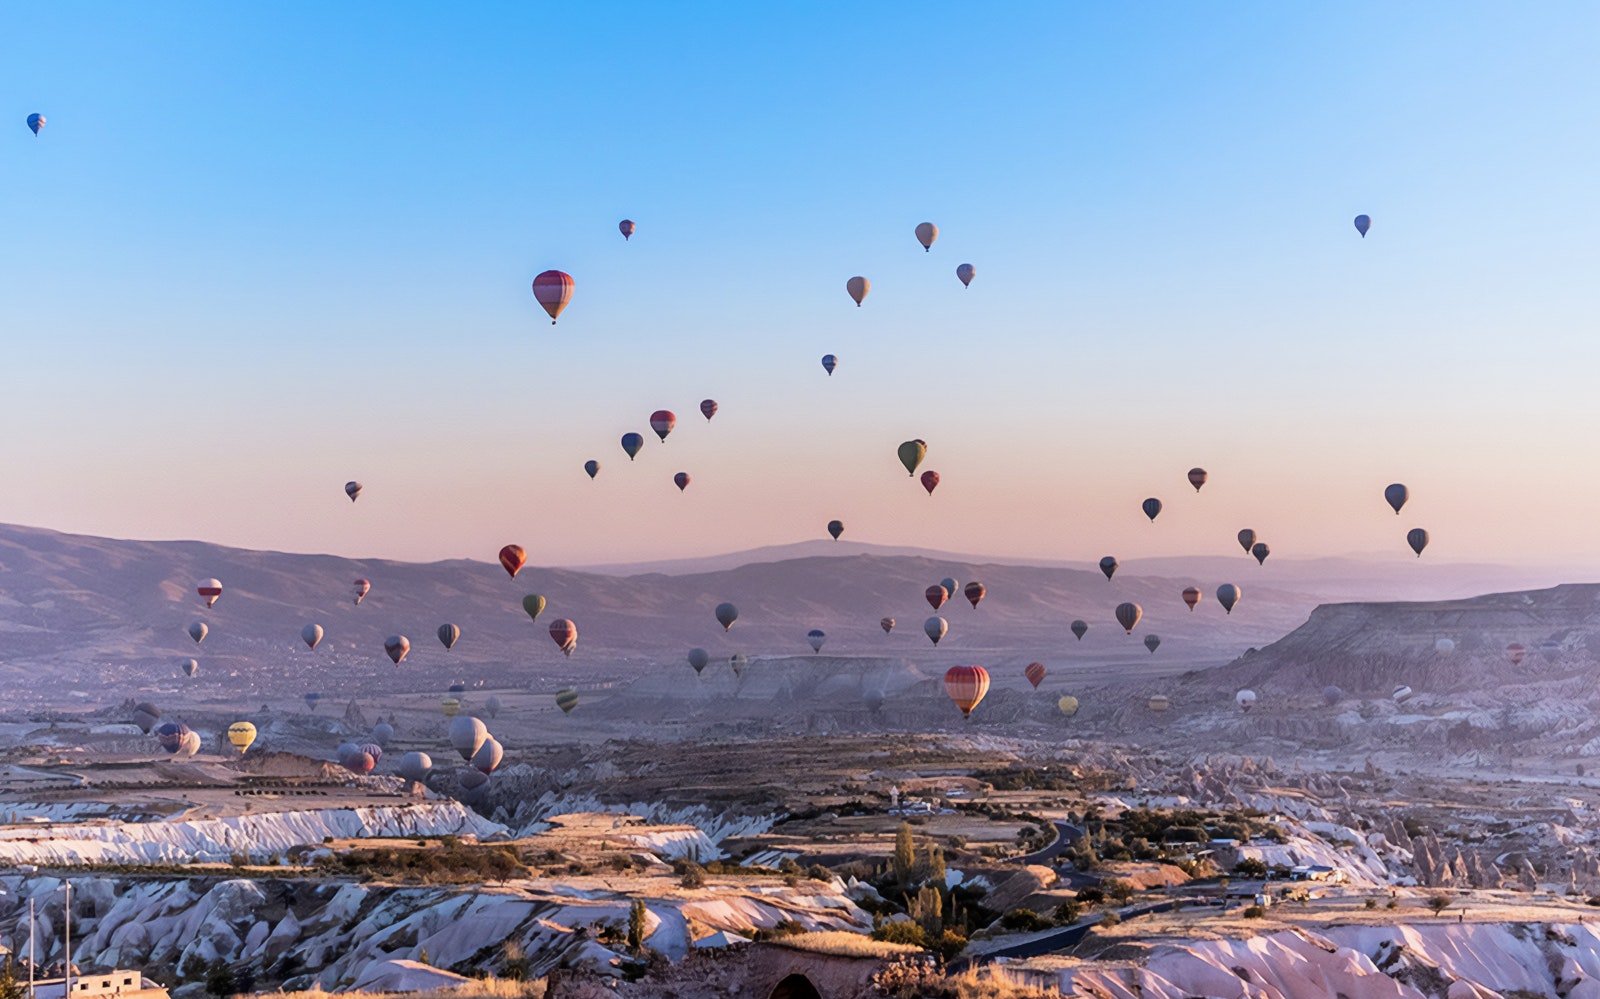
column 1062, row 939
column 1066, row 835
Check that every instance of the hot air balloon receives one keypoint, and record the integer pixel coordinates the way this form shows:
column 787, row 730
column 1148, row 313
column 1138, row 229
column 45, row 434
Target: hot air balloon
column 627, row 228
column 966, row 272
column 681, row 480
column 935, row 628
column 1192, row 596
column 708, row 408
column 1417, row 538
column 1332, row 695
column 512, row 559
column 467, row 734
column 191, row 667
column 829, row 362
column 1128, row 615
column 449, row 635
column 449, row 706
column 553, row 290
column 1401, row 694
column 145, row 715
column 487, row 759
column 1197, row 478
column 383, row 733
column 930, row 481
column 534, row 604
column 835, row 528
column 1159, row 702
column 872, row 697
column 887, row 624
column 1067, row 705
column 1363, row 223
column 662, row 421
column 458, row 688
column 1152, row 642
column 311, row 634
column 950, row 586
column 1396, row 494
column 566, row 700
column 936, row 596
column 358, row 763
column 1108, row 565
column 312, row 699
column 632, row 443
column 1246, row 699
column 565, row 634
column 737, row 662
column 352, row 489
column 1080, row 628
column 397, row 646
column 36, row 122
column 472, row 781
column 911, row 454
column 858, row 287
column 373, row 750
column 699, row 659
column 815, row 637
column 209, row 590
column 966, row 686
column 592, row 467
column 170, row 736
column 1516, row 652
column 726, row 614
column 1151, row 508
column 975, row 592
column 189, row 745
column 927, row 232
column 1035, row 673
column 240, row 735
column 1228, row 595
column 198, row 631
column 415, row 766
column 1247, row 540
column 361, row 588
column 1260, row 551
column 1444, row 646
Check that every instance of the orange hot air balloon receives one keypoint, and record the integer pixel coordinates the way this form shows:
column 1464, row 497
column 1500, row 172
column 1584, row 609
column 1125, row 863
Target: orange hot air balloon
column 553, row 290
column 1191, row 596
column 662, row 421
column 966, row 686
column 936, row 595
column 565, row 634
column 512, row 559
column 930, row 481
column 1035, row 674
column 858, row 287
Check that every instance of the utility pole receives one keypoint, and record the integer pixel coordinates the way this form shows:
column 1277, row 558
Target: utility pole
column 33, row 953
column 67, row 994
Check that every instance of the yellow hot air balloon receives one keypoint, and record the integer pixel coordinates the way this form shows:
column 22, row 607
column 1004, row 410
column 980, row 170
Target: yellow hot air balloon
column 241, row 734
column 1068, row 705
column 451, row 706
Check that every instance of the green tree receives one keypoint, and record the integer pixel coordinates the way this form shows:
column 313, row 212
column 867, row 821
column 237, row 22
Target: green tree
column 1439, row 903
column 934, row 862
column 10, row 986
column 927, row 908
column 219, row 980
column 905, row 854
column 637, row 917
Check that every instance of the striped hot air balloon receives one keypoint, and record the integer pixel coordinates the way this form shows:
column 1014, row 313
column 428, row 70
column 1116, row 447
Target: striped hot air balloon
column 361, row 588
column 553, row 290
column 662, row 421
column 1035, row 674
column 566, row 700
column 397, row 646
column 936, row 595
column 975, row 592
column 966, row 686
column 1192, row 596
column 210, row 590
column 708, row 408
column 1197, row 478
column 1128, row 615
column 565, row 634
column 512, row 559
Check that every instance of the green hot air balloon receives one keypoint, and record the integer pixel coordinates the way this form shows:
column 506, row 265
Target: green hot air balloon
column 911, row 455
column 534, row 604
column 726, row 615
column 566, row 700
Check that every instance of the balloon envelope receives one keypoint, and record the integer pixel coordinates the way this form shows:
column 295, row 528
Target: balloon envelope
column 467, row 734
column 835, row 528
column 1444, row 646
column 887, row 624
column 566, row 700
column 565, row 634
column 935, row 628
column 966, row 686
column 632, row 444
column 449, row 635
column 1192, row 596
column 1035, row 673
column 1159, row 702
column 966, row 272
column 975, row 592
column 512, row 559
column 198, row 631
column 1152, row 642
column 534, row 604
column 241, row 734
column 1151, row 507
column 699, row 659
column 397, row 646
column 352, row 489
column 858, row 287
column 361, row 588
column 927, row 232
column 1080, row 628
column 1401, row 692
column 1363, row 223
column 1246, row 699
column 1332, row 695
column 592, row 467
column 936, row 595
column 191, row 667
column 36, row 122
column 1067, row 705
column 553, row 290
column 1197, row 478
column 815, row 637
column 311, row 634
column 708, row 408
column 1128, row 615
column 911, row 454
column 1247, row 539
column 210, row 590
column 492, row 705
column 1260, row 551
column 1417, row 538
column 1396, row 494
column 829, row 362
column 727, row 614
column 1516, row 652
column 930, row 481
column 1108, row 565
column 415, row 766
column 627, row 228
column 487, row 759
column 662, row 421
column 681, row 480
column 1228, row 595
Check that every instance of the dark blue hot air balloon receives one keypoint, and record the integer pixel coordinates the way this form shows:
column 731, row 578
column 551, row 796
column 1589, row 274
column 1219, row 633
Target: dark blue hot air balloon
column 632, row 443
column 1363, row 223
column 36, row 122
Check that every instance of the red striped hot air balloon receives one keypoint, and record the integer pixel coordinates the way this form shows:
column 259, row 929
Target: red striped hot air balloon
column 1035, row 674
column 209, row 590
column 966, row 686
column 565, row 635
column 662, row 421
column 708, row 408
column 936, row 595
column 553, row 290
column 512, row 559
column 1191, row 596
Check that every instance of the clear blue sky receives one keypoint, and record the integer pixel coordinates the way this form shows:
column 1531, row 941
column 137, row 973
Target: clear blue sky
column 261, row 249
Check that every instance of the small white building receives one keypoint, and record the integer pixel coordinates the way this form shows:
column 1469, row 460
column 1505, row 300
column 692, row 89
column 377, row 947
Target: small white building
column 120, row 983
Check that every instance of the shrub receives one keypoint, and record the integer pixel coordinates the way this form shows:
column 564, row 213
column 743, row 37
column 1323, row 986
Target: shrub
column 1025, row 921
column 1110, row 918
column 694, row 876
column 1250, row 867
column 1254, row 912
column 901, row 932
